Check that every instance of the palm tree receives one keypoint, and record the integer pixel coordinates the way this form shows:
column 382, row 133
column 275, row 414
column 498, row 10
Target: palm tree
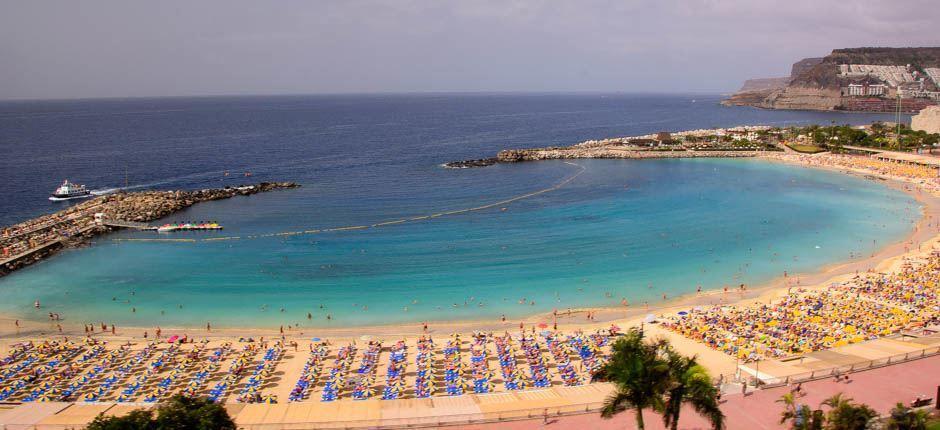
column 905, row 418
column 790, row 410
column 639, row 373
column 845, row 415
column 801, row 416
column 690, row 384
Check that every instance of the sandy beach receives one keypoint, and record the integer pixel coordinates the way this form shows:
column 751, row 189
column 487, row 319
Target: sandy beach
column 923, row 236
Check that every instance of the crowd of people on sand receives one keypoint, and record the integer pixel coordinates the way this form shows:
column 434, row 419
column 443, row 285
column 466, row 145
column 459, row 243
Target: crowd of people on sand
column 869, row 306
column 924, row 176
column 93, row 370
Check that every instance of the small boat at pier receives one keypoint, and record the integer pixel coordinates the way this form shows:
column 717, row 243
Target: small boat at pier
column 69, row 190
column 188, row 226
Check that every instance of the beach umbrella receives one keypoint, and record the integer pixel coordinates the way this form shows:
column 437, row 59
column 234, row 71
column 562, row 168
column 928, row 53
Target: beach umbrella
column 316, row 339
column 543, row 325
column 365, row 337
column 683, row 313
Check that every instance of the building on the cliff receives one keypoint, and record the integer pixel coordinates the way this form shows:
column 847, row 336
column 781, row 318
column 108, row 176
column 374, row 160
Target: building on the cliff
column 927, row 120
column 861, row 90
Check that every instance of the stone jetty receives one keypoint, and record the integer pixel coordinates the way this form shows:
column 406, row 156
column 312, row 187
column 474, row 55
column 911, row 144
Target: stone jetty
column 733, row 142
column 34, row 240
column 573, row 152
column 466, row 164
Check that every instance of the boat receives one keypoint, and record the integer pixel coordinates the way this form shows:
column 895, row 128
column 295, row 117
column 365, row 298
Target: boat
column 69, row 190
column 188, row 226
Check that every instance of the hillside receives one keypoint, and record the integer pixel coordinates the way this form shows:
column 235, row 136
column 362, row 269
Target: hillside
column 879, row 73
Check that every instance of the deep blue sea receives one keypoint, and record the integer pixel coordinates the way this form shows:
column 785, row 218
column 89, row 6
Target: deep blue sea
column 633, row 229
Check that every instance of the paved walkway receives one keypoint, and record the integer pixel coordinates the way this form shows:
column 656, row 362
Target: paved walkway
column 880, row 388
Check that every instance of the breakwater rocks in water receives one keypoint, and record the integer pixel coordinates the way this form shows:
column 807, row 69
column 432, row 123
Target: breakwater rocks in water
column 466, row 164
column 150, row 205
column 34, row 240
column 573, row 152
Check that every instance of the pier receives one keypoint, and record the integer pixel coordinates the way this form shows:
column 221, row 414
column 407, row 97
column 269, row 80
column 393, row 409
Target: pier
column 166, row 228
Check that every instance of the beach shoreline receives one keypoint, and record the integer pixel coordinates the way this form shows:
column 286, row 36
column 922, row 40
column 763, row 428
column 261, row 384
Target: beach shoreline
column 925, row 232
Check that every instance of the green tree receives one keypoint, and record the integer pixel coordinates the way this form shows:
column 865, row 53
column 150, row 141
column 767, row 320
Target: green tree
column 905, row 418
column 135, row 420
column 639, row 373
column 690, row 383
column 652, row 375
column 846, row 415
column 801, row 417
column 179, row 413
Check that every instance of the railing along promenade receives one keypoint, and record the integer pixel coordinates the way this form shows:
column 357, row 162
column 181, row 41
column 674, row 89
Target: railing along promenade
column 843, row 369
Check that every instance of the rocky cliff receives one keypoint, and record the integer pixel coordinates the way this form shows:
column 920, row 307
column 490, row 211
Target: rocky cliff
column 762, row 84
column 927, row 120
column 815, row 83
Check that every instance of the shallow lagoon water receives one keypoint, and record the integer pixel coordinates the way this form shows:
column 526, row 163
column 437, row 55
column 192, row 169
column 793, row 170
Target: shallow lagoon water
column 633, row 229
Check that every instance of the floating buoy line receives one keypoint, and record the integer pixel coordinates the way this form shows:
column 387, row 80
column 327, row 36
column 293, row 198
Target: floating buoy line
column 557, row 186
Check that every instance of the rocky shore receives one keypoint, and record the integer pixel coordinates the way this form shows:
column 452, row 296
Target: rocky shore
column 466, row 164
column 151, row 205
column 572, row 152
column 34, row 240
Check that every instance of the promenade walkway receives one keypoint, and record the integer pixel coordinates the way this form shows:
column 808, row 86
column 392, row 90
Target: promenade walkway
column 880, row 388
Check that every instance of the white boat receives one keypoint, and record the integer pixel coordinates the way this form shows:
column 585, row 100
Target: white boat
column 69, row 190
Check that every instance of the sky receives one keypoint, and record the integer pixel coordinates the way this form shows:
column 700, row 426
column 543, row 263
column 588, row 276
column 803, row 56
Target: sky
column 130, row 48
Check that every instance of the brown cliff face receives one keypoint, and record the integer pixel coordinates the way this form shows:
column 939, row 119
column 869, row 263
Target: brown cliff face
column 815, row 83
column 764, row 84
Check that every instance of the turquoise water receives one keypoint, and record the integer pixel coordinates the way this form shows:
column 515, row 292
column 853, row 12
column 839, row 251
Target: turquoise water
column 633, row 229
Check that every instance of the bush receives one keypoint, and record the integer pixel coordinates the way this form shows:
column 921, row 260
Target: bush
column 179, row 413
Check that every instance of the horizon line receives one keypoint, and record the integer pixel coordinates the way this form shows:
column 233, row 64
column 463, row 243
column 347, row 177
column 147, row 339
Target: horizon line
column 376, row 93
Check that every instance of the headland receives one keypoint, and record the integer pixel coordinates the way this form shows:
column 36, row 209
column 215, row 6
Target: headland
column 854, row 79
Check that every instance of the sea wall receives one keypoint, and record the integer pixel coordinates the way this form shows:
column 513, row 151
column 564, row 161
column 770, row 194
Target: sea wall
column 150, row 205
column 537, row 154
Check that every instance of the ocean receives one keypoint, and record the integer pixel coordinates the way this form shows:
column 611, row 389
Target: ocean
column 621, row 229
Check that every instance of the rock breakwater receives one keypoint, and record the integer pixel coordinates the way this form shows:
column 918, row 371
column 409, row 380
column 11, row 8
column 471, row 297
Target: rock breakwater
column 466, row 164
column 34, row 240
column 518, row 155
column 150, row 205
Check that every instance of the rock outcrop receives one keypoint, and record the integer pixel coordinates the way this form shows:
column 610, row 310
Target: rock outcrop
column 815, row 83
column 575, row 152
column 150, row 205
column 466, row 164
column 763, row 84
column 927, row 120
